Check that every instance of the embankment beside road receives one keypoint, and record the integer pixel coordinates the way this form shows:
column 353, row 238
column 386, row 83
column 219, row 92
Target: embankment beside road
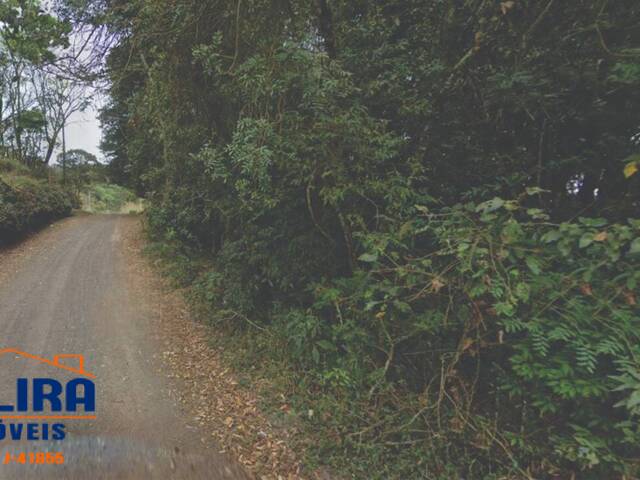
column 27, row 204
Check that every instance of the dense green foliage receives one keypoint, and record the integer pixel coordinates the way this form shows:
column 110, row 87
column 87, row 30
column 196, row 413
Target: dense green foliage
column 422, row 205
column 36, row 100
column 106, row 198
column 27, row 203
column 80, row 168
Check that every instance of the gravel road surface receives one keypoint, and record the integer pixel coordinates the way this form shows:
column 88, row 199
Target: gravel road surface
column 70, row 289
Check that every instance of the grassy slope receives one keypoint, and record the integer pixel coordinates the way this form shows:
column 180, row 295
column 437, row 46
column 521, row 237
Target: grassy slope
column 28, row 202
column 110, row 198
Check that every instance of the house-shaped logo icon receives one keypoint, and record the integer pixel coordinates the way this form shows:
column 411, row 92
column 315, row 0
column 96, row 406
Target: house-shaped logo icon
column 45, row 398
column 70, row 363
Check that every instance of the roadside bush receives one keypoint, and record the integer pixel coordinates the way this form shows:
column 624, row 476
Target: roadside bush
column 12, row 166
column 485, row 332
column 520, row 335
column 27, row 204
column 105, row 197
column 310, row 164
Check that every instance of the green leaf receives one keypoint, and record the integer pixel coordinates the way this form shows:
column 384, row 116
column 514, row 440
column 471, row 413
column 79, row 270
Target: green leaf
column 635, row 246
column 593, row 222
column 402, row 306
column 536, row 190
column 326, row 345
column 511, row 205
column 586, row 240
column 633, row 400
column 504, row 308
column 490, row 205
column 368, row 257
column 512, row 232
column 533, row 265
column 369, row 306
column 537, row 214
column 523, row 291
column 551, row 236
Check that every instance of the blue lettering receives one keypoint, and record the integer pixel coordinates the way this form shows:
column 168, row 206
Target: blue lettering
column 52, row 396
column 88, row 397
column 32, row 431
column 16, row 431
column 58, row 431
column 23, row 394
column 78, row 392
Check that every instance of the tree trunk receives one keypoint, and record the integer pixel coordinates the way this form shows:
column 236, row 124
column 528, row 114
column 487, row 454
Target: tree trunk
column 64, row 156
column 51, row 145
column 325, row 26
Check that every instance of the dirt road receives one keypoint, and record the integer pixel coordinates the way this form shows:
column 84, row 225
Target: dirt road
column 71, row 290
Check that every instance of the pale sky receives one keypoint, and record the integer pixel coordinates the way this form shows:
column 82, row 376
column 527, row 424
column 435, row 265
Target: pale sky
column 83, row 128
column 83, row 131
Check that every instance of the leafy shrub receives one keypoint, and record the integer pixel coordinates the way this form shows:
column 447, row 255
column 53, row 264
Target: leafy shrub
column 105, row 197
column 524, row 332
column 512, row 339
column 284, row 148
column 27, row 204
column 490, row 338
column 12, row 166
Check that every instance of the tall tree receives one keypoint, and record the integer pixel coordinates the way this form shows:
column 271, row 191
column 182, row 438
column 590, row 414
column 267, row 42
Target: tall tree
column 57, row 99
column 28, row 38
